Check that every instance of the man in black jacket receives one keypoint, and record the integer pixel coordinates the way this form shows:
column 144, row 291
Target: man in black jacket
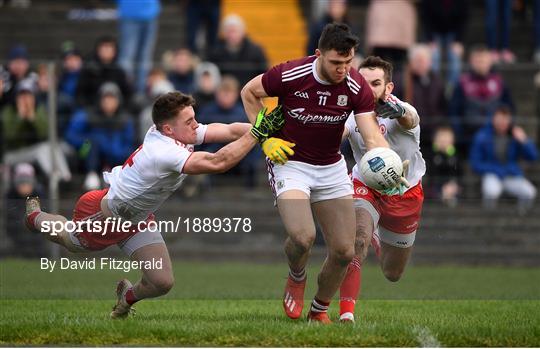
column 235, row 54
column 100, row 69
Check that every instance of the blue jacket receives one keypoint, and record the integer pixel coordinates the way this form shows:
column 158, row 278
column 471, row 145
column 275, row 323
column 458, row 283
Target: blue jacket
column 484, row 160
column 68, row 83
column 214, row 113
column 118, row 142
column 138, row 9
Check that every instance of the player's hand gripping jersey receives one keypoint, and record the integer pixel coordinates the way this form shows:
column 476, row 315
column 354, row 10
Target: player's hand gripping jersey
column 315, row 111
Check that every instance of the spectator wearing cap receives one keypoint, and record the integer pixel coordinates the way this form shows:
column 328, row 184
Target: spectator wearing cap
column 236, row 54
column 103, row 134
column 18, row 68
column 25, row 132
column 67, row 83
column 25, row 123
column 101, row 68
column 24, row 185
column 207, row 80
column 138, row 27
column 72, row 63
column 495, row 153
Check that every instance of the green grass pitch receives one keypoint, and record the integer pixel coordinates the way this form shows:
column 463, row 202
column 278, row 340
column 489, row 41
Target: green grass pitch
column 238, row 304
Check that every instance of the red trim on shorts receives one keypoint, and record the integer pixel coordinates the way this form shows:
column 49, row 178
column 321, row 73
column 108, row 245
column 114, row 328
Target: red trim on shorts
column 398, row 213
column 88, row 208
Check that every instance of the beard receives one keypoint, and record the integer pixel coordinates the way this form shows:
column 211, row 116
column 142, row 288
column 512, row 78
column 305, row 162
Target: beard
column 326, row 76
column 380, row 97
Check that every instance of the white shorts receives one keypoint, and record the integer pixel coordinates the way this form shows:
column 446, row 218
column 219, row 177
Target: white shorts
column 143, row 238
column 395, row 239
column 318, row 182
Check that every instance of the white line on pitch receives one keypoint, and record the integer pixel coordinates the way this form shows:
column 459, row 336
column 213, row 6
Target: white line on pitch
column 425, row 338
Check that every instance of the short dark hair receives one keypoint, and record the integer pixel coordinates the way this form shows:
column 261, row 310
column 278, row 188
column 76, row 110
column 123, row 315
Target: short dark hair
column 373, row 62
column 106, row 39
column 338, row 36
column 478, row 48
column 167, row 106
column 444, row 128
column 504, row 109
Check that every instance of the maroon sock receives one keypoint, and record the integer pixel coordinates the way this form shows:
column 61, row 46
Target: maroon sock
column 318, row 306
column 130, row 297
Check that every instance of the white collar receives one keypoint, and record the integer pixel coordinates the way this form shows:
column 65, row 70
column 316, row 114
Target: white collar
column 316, row 76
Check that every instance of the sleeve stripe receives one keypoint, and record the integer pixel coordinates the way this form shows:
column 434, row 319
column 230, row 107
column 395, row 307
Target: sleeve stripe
column 296, row 68
column 296, row 76
column 296, row 72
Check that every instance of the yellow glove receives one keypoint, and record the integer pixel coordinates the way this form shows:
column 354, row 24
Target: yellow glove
column 277, row 150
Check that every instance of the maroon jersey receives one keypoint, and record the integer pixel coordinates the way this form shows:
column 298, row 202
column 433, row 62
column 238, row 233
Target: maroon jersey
column 315, row 111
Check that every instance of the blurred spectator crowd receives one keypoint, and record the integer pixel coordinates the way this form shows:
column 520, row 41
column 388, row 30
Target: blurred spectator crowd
column 104, row 98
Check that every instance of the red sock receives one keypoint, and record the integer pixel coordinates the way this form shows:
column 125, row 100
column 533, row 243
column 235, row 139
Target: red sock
column 31, row 218
column 130, row 297
column 350, row 287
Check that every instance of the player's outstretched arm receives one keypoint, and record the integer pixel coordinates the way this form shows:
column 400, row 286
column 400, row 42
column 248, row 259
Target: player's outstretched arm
column 201, row 162
column 369, row 129
column 252, row 95
column 410, row 119
column 225, row 133
column 232, row 153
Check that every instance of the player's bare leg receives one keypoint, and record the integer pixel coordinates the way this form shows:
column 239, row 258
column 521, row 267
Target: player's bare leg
column 154, row 282
column 34, row 219
column 350, row 287
column 295, row 211
column 394, row 260
column 337, row 221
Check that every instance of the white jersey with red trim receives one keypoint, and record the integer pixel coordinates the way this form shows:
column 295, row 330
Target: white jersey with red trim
column 149, row 176
column 404, row 142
